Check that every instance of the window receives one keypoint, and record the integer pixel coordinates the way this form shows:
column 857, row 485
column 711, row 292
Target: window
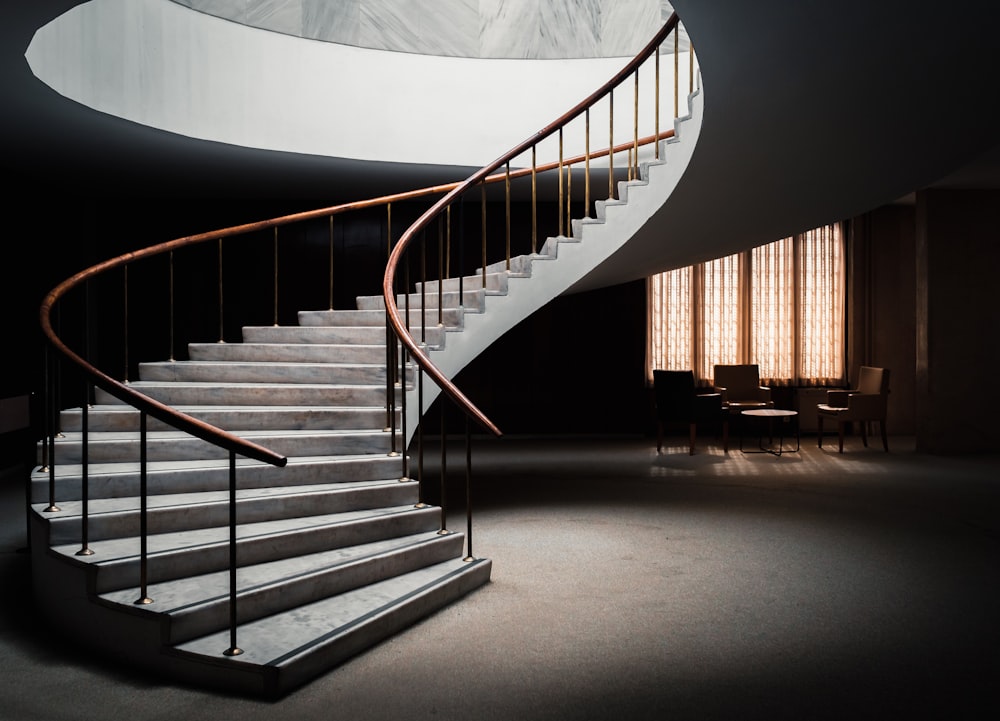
column 780, row 305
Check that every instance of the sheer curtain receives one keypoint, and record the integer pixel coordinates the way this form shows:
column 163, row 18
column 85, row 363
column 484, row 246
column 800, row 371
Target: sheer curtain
column 780, row 305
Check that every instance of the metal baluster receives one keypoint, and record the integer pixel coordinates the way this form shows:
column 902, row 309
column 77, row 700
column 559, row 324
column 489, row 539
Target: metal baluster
column 444, row 473
column 586, row 161
column 656, row 104
column 275, row 276
column 144, row 598
column 331, row 262
column 507, row 196
column 221, row 333
column 611, row 144
column 85, row 549
column 234, row 649
column 468, row 490
column 561, row 190
column 50, row 429
column 482, row 187
column 534, row 199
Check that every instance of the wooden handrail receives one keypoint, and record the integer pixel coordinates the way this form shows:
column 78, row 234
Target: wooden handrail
column 389, row 279
column 180, row 420
column 230, row 442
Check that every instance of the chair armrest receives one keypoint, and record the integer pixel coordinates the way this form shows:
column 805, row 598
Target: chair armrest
column 765, row 393
column 865, row 405
column 708, row 406
column 837, row 399
column 722, row 391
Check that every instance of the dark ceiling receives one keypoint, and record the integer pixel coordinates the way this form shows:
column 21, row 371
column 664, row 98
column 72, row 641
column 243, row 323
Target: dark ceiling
column 58, row 148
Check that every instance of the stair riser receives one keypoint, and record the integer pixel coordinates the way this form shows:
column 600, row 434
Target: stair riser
column 473, row 301
column 298, row 419
column 390, row 621
column 176, row 394
column 64, row 530
column 226, row 372
column 376, row 317
column 197, row 479
column 190, row 448
column 288, row 352
column 207, row 558
column 327, row 335
column 260, row 602
column 495, row 283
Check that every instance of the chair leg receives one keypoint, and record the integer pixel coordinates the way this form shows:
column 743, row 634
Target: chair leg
column 885, row 438
column 819, row 431
column 659, row 436
column 864, row 433
column 725, row 436
column 694, row 433
column 840, row 428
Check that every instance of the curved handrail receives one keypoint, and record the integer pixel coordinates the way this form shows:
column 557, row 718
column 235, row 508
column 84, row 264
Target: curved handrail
column 395, row 317
column 182, row 421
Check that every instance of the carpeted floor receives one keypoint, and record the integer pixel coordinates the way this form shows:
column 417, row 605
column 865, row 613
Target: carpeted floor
column 632, row 585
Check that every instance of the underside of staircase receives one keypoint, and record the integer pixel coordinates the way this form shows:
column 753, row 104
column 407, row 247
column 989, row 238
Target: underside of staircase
column 335, row 552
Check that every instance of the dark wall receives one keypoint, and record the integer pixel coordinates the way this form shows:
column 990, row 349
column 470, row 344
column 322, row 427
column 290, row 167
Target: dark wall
column 577, row 366
column 882, row 305
column 958, row 253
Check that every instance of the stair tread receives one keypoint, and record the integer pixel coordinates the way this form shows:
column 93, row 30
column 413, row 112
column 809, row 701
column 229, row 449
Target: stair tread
column 132, row 466
column 108, row 436
column 284, row 638
column 114, row 550
column 180, row 594
column 102, row 506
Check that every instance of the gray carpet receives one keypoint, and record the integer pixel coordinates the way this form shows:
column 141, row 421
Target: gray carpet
column 635, row 586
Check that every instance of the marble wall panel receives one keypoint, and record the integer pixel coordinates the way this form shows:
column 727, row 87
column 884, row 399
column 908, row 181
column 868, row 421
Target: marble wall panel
column 504, row 28
column 282, row 16
column 569, row 29
column 526, row 29
column 335, row 22
column 235, row 10
column 627, row 26
column 433, row 27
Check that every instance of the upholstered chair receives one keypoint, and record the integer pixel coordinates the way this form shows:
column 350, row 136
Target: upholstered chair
column 740, row 388
column 677, row 401
column 868, row 402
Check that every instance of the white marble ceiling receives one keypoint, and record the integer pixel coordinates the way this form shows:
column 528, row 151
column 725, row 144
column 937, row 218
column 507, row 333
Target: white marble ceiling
column 519, row 29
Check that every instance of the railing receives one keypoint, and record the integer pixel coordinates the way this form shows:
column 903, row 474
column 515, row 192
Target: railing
column 317, row 228
column 397, row 271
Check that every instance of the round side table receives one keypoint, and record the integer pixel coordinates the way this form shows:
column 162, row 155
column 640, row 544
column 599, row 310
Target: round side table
column 784, row 417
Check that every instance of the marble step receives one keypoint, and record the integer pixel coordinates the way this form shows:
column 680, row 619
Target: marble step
column 231, row 418
column 263, row 372
column 255, row 394
column 199, row 605
column 115, row 563
column 109, row 480
column 520, row 266
column 290, row 352
column 110, row 446
column 286, row 650
column 473, row 300
column 362, row 335
column 450, row 317
column 496, row 283
column 120, row 517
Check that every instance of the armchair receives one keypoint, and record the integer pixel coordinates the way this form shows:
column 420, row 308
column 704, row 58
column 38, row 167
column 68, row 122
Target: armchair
column 740, row 387
column 677, row 401
column 867, row 402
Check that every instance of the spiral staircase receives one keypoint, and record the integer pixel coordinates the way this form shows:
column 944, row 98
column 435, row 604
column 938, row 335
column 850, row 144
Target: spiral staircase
column 336, row 551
